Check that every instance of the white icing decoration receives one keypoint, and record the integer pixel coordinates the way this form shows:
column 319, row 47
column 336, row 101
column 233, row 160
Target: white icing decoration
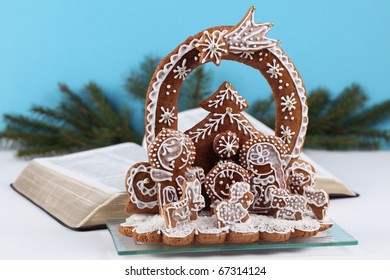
column 300, row 90
column 213, row 45
column 288, row 102
column 169, row 195
column 228, row 145
column 287, row 204
column 247, row 227
column 230, row 213
column 170, row 149
column 135, row 220
column 218, row 119
column 272, row 225
column 305, row 167
column 227, row 94
column 153, row 96
column 182, row 71
column 287, row 134
column 168, row 116
column 307, row 224
column 264, row 181
column 275, row 70
column 151, row 224
column 180, row 231
column 130, row 189
column 262, row 153
column 246, row 55
column 249, row 35
column 159, row 175
column 236, row 208
column 315, row 196
column 208, row 225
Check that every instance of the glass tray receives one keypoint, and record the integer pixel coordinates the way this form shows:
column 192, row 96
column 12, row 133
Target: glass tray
column 335, row 236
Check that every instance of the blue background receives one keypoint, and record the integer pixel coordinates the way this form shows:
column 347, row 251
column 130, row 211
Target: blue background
column 333, row 43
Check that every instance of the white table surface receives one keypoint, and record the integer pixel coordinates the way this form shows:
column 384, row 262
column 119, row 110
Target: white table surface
column 26, row 232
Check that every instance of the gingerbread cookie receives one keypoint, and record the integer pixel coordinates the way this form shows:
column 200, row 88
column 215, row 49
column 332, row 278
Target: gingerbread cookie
column 264, row 158
column 226, row 144
column 171, row 155
column 288, row 206
column 255, row 184
column 235, row 209
column 187, row 208
column 224, row 128
column 246, row 43
column 301, row 180
column 220, row 179
column 142, row 189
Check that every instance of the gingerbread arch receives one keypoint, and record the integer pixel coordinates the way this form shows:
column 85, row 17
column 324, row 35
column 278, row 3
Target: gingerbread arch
column 245, row 43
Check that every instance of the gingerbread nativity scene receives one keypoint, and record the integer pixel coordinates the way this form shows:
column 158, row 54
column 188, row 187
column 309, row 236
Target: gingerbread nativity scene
column 223, row 180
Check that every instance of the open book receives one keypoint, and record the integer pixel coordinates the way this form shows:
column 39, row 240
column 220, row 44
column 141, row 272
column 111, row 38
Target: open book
column 83, row 189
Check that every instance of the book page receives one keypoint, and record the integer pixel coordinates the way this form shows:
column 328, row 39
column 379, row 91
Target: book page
column 103, row 168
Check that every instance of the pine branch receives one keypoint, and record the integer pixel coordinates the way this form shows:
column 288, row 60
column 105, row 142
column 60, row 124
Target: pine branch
column 373, row 115
column 105, row 111
column 343, row 122
column 341, row 108
column 78, row 122
column 138, row 82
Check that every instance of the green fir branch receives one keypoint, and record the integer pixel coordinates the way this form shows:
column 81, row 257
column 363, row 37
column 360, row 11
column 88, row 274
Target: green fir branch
column 343, row 122
column 138, row 82
column 80, row 121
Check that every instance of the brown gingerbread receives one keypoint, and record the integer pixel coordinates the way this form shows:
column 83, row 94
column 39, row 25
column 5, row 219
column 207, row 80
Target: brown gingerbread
column 288, row 206
column 225, row 107
column 264, row 158
column 246, row 43
column 235, row 208
column 142, row 189
column 171, row 155
column 186, row 209
column 246, row 170
column 220, row 179
column 301, row 180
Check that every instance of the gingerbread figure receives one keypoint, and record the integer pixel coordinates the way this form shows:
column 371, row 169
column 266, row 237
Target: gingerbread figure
column 301, row 180
column 235, row 208
column 264, row 158
column 187, row 208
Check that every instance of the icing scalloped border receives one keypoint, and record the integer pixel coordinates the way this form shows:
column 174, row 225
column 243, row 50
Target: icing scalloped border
column 154, row 94
column 289, row 66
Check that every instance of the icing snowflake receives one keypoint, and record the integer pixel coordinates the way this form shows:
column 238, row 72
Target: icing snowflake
column 212, row 46
column 246, row 55
column 275, row 69
column 227, row 144
column 288, row 102
column 287, row 134
column 168, row 116
column 182, row 71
